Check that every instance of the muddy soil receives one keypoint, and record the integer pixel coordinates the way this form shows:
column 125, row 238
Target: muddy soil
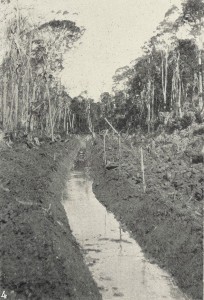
column 166, row 220
column 40, row 258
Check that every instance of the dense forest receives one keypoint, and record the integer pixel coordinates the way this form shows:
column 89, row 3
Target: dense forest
column 161, row 89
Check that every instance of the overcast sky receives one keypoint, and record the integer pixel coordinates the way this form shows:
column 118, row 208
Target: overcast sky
column 115, row 32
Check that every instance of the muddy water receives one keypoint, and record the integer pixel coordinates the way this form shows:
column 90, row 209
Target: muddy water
column 115, row 260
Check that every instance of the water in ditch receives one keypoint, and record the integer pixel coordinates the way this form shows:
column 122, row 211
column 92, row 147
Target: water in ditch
column 115, row 260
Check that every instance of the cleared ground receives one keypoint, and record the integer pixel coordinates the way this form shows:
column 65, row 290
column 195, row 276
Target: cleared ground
column 40, row 259
column 167, row 219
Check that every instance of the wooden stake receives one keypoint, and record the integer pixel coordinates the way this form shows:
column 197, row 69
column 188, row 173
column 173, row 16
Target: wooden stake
column 119, row 151
column 119, row 143
column 142, row 169
column 104, row 147
column 50, row 112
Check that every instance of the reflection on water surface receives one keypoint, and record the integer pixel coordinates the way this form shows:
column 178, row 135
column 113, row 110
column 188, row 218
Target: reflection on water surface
column 115, row 260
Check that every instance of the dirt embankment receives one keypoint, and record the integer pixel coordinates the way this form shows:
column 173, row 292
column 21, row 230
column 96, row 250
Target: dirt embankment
column 167, row 219
column 40, row 259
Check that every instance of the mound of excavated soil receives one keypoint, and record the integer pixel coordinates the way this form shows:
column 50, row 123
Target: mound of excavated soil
column 167, row 219
column 40, row 259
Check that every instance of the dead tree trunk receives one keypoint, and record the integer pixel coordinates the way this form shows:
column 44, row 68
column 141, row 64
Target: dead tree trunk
column 200, row 80
column 50, row 112
column 164, row 68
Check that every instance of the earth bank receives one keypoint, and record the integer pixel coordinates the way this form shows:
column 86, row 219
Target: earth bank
column 40, row 258
column 166, row 220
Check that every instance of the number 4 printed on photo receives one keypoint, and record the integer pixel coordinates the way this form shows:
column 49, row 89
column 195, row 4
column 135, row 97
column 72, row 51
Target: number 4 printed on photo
column 4, row 295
